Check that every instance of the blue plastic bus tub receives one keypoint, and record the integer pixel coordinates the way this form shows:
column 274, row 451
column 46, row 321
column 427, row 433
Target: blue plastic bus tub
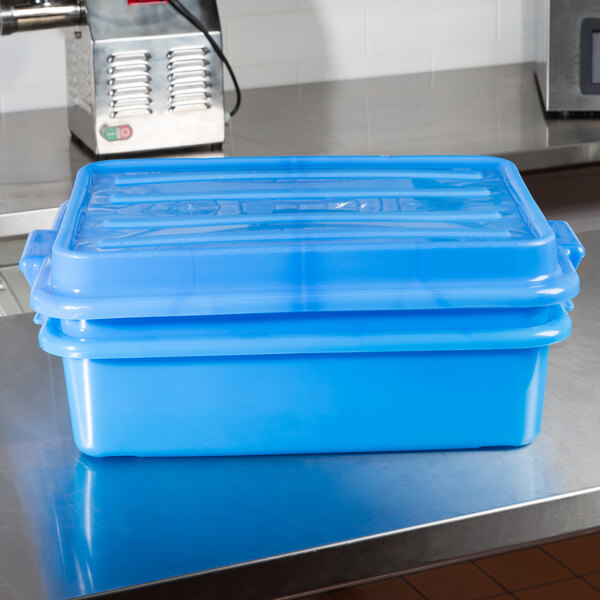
column 290, row 305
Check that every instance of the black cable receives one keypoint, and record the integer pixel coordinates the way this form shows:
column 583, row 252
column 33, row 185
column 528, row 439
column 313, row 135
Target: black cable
column 196, row 22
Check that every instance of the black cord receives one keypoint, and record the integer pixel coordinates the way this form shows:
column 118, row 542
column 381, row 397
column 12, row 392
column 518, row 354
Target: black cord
column 196, row 22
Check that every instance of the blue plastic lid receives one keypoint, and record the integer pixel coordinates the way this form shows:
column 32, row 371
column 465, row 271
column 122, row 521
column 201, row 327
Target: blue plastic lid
column 174, row 237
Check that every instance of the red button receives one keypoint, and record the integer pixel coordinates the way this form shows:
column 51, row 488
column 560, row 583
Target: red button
column 125, row 132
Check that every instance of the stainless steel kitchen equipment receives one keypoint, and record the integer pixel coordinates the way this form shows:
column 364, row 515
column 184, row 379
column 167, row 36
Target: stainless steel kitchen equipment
column 140, row 75
column 567, row 38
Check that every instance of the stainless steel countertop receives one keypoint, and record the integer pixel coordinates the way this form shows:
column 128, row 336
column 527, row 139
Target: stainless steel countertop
column 491, row 110
column 267, row 527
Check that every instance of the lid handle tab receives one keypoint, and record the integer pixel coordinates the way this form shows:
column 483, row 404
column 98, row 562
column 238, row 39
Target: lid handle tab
column 37, row 248
column 567, row 240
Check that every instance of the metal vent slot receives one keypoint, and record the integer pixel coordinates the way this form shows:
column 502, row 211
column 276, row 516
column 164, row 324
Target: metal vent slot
column 189, row 64
column 189, row 51
column 193, row 84
column 130, row 90
column 189, row 103
column 185, row 93
column 128, row 85
column 133, row 55
column 130, row 100
column 126, row 78
column 134, row 67
column 201, row 58
column 131, row 110
column 195, row 75
column 188, row 67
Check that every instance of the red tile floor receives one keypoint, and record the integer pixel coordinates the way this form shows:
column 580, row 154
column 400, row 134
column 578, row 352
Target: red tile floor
column 564, row 570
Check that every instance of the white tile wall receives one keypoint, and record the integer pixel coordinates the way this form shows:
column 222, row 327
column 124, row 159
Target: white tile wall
column 32, row 70
column 280, row 42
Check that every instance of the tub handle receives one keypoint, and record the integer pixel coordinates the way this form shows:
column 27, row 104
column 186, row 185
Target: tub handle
column 567, row 240
column 37, row 248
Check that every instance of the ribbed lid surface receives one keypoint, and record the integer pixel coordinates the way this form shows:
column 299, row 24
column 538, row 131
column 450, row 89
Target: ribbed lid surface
column 225, row 236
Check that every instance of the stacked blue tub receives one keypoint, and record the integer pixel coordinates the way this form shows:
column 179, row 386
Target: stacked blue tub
column 294, row 305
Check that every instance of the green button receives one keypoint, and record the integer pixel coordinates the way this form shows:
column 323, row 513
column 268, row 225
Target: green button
column 110, row 133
